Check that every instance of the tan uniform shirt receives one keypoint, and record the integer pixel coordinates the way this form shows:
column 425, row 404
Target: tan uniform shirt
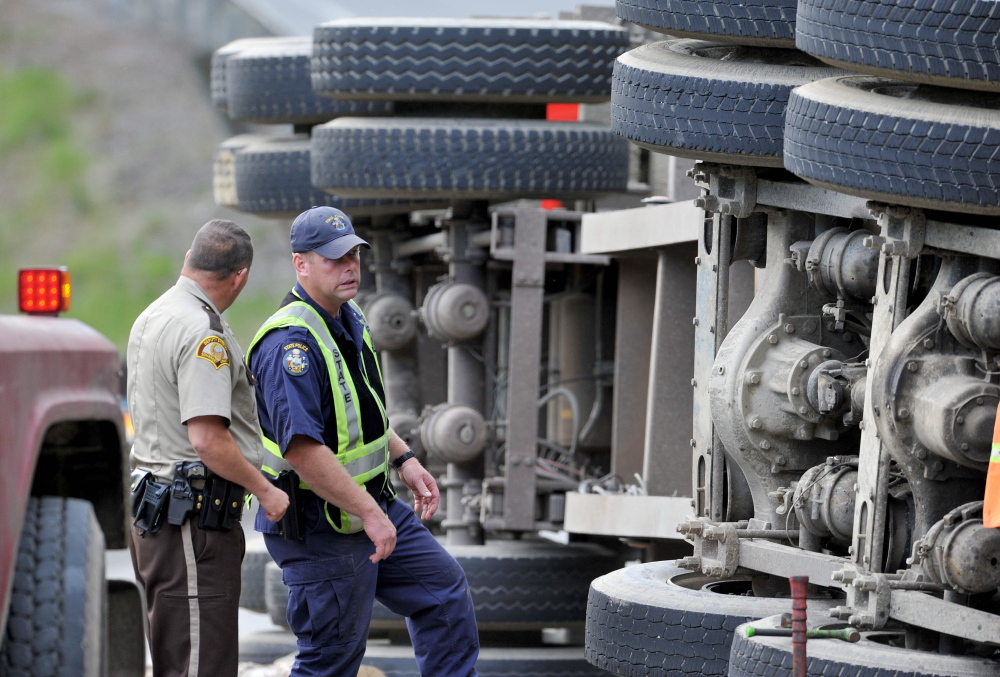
column 183, row 361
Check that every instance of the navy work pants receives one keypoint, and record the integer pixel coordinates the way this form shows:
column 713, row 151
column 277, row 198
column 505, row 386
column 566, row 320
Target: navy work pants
column 332, row 583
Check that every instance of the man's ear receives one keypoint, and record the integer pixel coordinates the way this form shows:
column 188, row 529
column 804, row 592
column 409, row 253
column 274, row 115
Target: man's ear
column 238, row 277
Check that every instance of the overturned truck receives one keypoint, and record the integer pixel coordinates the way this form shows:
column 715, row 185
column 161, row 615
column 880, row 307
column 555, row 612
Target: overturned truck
column 837, row 258
column 843, row 422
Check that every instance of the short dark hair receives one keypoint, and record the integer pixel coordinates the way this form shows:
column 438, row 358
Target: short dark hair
column 221, row 248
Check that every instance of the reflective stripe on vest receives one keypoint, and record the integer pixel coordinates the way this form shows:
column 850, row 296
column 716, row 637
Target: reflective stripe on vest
column 362, row 460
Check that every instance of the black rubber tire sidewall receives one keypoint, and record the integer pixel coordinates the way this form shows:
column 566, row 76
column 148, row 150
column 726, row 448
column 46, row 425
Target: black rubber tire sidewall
column 223, row 170
column 272, row 84
column 672, row 98
column 641, row 622
column 398, row 661
column 758, row 656
column 907, row 152
column 267, row 646
column 525, row 583
column 217, row 68
column 933, row 41
column 275, row 595
column 465, row 59
column 512, row 584
column 252, row 588
column 446, row 158
column 271, row 177
column 57, row 622
column 766, row 23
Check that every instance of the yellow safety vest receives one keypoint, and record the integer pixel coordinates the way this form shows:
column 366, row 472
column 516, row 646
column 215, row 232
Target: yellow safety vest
column 364, row 459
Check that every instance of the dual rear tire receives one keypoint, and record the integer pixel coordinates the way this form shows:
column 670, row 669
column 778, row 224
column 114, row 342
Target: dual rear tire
column 57, row 623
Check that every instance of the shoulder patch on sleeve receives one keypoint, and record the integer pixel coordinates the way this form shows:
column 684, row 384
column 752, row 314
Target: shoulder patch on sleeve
column 295, row 361
column 214, row 350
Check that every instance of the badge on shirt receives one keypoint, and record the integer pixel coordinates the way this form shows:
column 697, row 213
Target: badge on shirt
column 296, row 361
column 214, row 350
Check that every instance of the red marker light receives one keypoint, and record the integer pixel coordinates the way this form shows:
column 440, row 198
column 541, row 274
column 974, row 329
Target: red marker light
column 562, row 112
column 43, row 291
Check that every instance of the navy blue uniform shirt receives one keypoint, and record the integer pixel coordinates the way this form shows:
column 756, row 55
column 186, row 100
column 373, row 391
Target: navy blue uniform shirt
column 293, row 387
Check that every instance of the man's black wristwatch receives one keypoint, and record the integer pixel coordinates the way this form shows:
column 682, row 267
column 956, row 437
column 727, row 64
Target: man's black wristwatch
column 398, row 462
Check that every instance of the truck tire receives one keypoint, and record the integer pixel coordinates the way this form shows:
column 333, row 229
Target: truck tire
column 897, row 142
column 252, row 588
column 872, row 656
column 513, row 584
column 520, row 583
column 275, row 595
column 465, row 159
column 270, row 84
column 938, row 42
column 472, row 60
column 223, row 170
column 658, row 619
column 706, row 101
column 272, row 179
column 763, row 23
column 217, row 69
column 267, row 646
column 57, row 624
column 398, row 661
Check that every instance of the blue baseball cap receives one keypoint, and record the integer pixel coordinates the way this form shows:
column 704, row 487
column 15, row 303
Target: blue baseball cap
column 326, row 231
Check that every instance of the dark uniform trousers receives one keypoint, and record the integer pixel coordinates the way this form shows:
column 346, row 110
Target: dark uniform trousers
column 192, row 581
column 332, row 583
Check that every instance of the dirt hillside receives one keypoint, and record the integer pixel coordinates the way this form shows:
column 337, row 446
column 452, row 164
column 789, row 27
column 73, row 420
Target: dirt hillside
column 106, row 141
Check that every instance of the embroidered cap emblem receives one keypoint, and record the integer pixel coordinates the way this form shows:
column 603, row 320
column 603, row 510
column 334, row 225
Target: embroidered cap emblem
column 337, row 222
column 296, row 362
column 213, row 349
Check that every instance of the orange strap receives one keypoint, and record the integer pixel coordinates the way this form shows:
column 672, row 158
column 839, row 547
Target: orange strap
column 991, row 501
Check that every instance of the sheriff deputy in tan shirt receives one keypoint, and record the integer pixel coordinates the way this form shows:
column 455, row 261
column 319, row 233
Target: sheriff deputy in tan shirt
column 191, row 399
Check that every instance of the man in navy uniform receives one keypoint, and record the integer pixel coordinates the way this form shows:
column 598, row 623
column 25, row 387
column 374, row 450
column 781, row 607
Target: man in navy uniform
column 322, row 413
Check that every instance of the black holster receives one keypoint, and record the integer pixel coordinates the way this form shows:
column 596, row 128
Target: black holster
column 222, row 504
column 138, row 481
column 150, row 509
column 292, row 524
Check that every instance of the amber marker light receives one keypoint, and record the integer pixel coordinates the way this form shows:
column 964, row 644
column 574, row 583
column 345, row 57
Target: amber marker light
column 43, row 291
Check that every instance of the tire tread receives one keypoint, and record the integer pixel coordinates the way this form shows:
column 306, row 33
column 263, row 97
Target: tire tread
column 472, row 62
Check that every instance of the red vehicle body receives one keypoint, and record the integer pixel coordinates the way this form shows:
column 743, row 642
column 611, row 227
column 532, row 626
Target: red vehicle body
column 62, row 464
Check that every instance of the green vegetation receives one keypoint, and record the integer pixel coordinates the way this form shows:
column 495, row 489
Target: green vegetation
column 49, row 215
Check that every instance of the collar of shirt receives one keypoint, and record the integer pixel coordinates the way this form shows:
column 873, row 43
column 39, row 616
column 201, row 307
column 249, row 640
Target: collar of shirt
column 193, row 288
column 346, row 326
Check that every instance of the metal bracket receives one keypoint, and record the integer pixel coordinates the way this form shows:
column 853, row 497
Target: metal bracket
column 904, row 230
column 732, row 190
column 716, row 547
column 868, row 598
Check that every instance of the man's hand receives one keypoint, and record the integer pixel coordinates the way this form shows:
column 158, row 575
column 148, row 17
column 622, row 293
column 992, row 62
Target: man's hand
column 274, row 501
column 214, row 445
column 426, row 496
column 382, row 532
